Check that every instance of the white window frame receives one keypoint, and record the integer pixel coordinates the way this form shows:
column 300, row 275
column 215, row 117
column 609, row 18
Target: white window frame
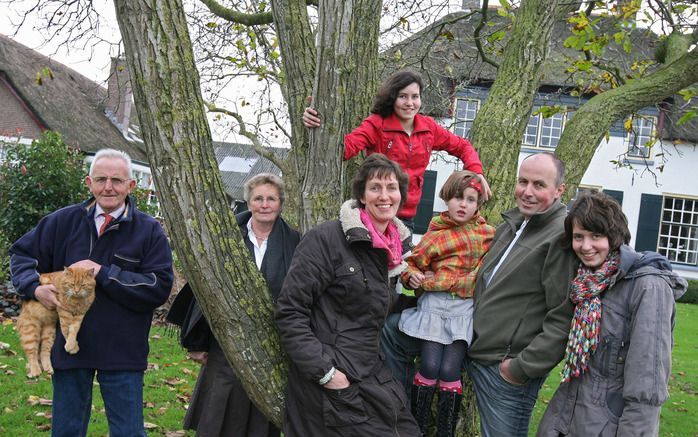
column 642, row 132
column 537, row 124
column 463, row 125
column 678, row 230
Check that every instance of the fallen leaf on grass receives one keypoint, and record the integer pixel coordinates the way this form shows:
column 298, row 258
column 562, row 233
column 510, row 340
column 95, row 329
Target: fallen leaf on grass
column 9, row 372
column 183, row 398
column 153, row 366
column 149, row 425
column 187, row 371
column 161, row 411
column 4, row 346
column 175, row 381
column 149, row 405
column 175, row 433
column 9, row 352
column 35, row 400
column 155, row 337
column 7, row 322
column 44, row 427
column 8, row 410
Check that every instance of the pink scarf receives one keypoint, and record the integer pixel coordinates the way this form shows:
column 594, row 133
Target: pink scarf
column 389, row 241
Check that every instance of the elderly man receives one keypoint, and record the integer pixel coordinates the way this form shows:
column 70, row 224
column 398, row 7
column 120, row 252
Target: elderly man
column 132, row 264
column 521, row 314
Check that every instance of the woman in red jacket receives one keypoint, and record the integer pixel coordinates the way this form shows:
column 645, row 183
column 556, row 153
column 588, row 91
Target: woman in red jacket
column 396, row 129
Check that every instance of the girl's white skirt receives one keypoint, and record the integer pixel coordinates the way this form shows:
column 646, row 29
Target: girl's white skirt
column 440, row 317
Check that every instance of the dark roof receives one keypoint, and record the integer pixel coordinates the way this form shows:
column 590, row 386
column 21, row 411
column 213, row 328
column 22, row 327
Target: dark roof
column 446, row 54
column 247, row 164
column 68, row 102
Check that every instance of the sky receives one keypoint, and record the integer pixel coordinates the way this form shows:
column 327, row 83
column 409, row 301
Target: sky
column 91, row 62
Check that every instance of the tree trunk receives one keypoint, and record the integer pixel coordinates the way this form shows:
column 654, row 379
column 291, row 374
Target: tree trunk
column 584, row 132
column 346, row 55
column 204, row 232
column 499, row 125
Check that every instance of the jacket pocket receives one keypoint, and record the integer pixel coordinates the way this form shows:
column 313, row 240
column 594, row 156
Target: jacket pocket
column 615, row 405
column 125, row 262
column 343, row 407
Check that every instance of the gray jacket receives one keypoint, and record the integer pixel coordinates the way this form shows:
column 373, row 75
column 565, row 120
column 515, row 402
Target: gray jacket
column 626, row 383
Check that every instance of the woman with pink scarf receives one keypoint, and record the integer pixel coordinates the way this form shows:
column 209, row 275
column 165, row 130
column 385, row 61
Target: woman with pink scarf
column 331, row 310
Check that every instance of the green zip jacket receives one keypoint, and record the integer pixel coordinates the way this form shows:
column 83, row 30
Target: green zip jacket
column 524, row 312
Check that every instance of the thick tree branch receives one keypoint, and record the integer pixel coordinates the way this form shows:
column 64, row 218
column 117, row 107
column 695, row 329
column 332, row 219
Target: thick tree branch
column 592, row 120
column 241, row 17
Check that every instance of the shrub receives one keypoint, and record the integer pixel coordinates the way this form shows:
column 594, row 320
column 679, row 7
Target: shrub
column 36, row 180
column 691, row 295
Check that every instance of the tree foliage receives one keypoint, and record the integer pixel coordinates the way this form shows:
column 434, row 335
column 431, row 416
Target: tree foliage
column 36, row 180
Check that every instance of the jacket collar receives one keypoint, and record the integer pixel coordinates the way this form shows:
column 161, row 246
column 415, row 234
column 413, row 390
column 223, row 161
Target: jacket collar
column 514, row 217
column 91, row 204
column 392, row 123
column 356, row 231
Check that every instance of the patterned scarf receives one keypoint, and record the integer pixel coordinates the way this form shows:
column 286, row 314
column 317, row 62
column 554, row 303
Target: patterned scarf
column 390, row 240
column 585, row 290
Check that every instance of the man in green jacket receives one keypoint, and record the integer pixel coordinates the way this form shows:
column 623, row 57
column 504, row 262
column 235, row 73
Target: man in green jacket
column 522, row 314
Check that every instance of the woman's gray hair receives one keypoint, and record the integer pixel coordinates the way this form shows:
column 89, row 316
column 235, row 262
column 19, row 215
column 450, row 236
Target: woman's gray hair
column 262, row 179
column 112, row 153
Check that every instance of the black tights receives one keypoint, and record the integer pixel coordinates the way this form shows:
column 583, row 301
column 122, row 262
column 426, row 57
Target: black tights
column 442, row 361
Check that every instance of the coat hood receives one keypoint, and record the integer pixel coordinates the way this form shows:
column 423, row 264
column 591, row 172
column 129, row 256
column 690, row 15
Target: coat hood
column 355, row 230
column 635, row 264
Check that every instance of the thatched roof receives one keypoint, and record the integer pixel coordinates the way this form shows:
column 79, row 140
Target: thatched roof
column 446, row 54
column 239, row 162
column 66, row 102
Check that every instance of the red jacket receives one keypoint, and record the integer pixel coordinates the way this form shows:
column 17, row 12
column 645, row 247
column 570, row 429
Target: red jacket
column 387, row 136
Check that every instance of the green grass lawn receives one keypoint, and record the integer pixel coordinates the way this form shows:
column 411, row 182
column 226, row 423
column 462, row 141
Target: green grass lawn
column 25, row 404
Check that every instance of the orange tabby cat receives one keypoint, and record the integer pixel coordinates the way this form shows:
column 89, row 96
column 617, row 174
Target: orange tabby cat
column 37, row 325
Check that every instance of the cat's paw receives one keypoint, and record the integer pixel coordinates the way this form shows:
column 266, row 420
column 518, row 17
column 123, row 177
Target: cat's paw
column 72, row 348
column 34, row 370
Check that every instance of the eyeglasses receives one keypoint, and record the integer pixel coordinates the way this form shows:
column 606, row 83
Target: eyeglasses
column 115, row 182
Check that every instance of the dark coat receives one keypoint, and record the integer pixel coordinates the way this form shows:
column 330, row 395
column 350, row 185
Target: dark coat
column 331, row 311
column 627, row 381
column 135, row 278
column 219, row 405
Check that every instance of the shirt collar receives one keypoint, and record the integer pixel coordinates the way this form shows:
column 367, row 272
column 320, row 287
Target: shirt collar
column 115, row 214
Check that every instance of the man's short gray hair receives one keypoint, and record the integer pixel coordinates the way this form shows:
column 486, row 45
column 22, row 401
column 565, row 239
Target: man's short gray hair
column 112, row 153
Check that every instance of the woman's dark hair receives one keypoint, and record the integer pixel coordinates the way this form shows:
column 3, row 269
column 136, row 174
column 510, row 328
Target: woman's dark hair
column 599, row 213
column 378, row 165
column 455, row 186
column 385, row 97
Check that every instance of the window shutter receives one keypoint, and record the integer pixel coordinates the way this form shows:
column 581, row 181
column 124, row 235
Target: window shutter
column 648, row 222
column 425, row 209
column 618, row 195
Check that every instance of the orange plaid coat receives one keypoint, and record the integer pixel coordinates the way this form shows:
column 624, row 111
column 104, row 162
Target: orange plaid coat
column 453, row 252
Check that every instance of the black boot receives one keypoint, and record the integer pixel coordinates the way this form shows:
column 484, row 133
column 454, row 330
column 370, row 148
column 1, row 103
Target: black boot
column 449, row 409
column 422, row 395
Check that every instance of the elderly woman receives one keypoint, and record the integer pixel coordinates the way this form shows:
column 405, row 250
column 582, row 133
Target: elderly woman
column 618, row 356
column 219, row 405
column 331, row 310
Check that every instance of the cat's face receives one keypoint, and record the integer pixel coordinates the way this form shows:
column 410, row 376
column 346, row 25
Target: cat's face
column 78, row 282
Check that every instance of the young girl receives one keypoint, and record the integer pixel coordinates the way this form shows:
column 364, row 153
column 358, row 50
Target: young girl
column 443, row 267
